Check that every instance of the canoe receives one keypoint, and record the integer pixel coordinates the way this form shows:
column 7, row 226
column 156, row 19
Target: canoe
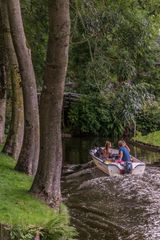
column 113, row 168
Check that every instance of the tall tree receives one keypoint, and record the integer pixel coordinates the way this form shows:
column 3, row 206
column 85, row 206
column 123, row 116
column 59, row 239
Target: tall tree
column 47, row 180
column 2, row 81
column 15, row 137
column 28, row 158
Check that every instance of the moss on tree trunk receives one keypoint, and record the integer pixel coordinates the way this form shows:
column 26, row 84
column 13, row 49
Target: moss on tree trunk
column 15, row 137
column 28, row 159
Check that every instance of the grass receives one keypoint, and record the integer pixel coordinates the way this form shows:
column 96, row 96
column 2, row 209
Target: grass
column 17, row 206
column 152, row 138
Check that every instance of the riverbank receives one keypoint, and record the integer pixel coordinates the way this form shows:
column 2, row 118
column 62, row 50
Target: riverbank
column 23, row 213
column 150, row 141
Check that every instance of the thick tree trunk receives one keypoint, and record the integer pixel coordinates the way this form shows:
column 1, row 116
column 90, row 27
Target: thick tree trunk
column 2, row 116
column 2, row 81
column 15, row 137
column 47, row 181
column 28, row 158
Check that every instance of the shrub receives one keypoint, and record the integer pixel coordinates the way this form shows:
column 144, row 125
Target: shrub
column 148, row 121
column 57, row 229
column 90, row 115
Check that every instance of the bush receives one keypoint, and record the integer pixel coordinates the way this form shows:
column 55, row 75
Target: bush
column 56, row 229
column 110, row 114
column 92, row 115
column 148, row 121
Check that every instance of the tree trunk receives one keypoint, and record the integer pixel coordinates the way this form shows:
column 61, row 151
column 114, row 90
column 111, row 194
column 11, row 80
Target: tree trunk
column 2, row 112
column 15, row 137
column 47, row 180
column 2, row 82
column 28, row 159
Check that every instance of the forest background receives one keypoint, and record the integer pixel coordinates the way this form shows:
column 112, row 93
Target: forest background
column 114, row 62
column 114, row 66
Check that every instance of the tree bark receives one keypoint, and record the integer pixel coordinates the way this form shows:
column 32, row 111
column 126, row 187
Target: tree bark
column 2, row 81
column 47, row 180
column 28, row 159
column 15, row 137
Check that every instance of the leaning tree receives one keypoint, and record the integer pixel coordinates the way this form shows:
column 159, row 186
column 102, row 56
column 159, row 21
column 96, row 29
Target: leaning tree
column 2, row 79
column 46, row 184
column 15, row 136
column 28, row 158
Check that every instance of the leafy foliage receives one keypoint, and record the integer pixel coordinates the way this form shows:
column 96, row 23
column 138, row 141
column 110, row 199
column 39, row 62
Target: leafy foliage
column 151, row 138
column 23, row 233
column 90, row 115
column 57, row 229
column 36, row 27
column 109, row 115
column 148, row 120
column 129, row 101
column 113, row 41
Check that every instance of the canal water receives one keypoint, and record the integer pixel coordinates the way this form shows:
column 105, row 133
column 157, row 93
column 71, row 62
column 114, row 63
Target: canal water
column 126, row 207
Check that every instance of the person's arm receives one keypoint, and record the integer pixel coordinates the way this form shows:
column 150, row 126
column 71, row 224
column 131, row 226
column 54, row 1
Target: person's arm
column 120, row 155
column 104, row 152
column 126, row 146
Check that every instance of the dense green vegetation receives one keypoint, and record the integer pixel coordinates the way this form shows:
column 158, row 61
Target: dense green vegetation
column 25, row 213
column 110, row 115
column 36, row 28
column 151, row 138
column 148, row 120
column 113, row 44
column 114, row 49
column 113, row 63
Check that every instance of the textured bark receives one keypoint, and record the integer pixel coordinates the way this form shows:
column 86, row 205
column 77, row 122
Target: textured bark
column 2, row 118
column 15, row 137
column 28, row 159
column 2, row 81
column 47, row 180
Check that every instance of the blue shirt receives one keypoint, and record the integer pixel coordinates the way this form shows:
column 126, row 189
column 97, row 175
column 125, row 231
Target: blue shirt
column 126, row 155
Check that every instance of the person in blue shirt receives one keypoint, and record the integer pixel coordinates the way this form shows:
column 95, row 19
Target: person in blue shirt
column 124, row 151
column 124, row 155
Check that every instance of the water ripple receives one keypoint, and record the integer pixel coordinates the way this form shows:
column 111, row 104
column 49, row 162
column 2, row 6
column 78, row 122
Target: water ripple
column 114, row 208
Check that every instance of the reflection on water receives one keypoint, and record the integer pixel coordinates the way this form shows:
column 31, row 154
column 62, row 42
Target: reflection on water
column 147, row 156
column 75, row 150
column 112, row 208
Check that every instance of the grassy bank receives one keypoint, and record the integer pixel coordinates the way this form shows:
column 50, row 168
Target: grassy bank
column 21, row 210
column 152, row 138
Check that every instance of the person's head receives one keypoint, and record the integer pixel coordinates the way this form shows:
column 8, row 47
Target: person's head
column 121, row 143
column 108, row 144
